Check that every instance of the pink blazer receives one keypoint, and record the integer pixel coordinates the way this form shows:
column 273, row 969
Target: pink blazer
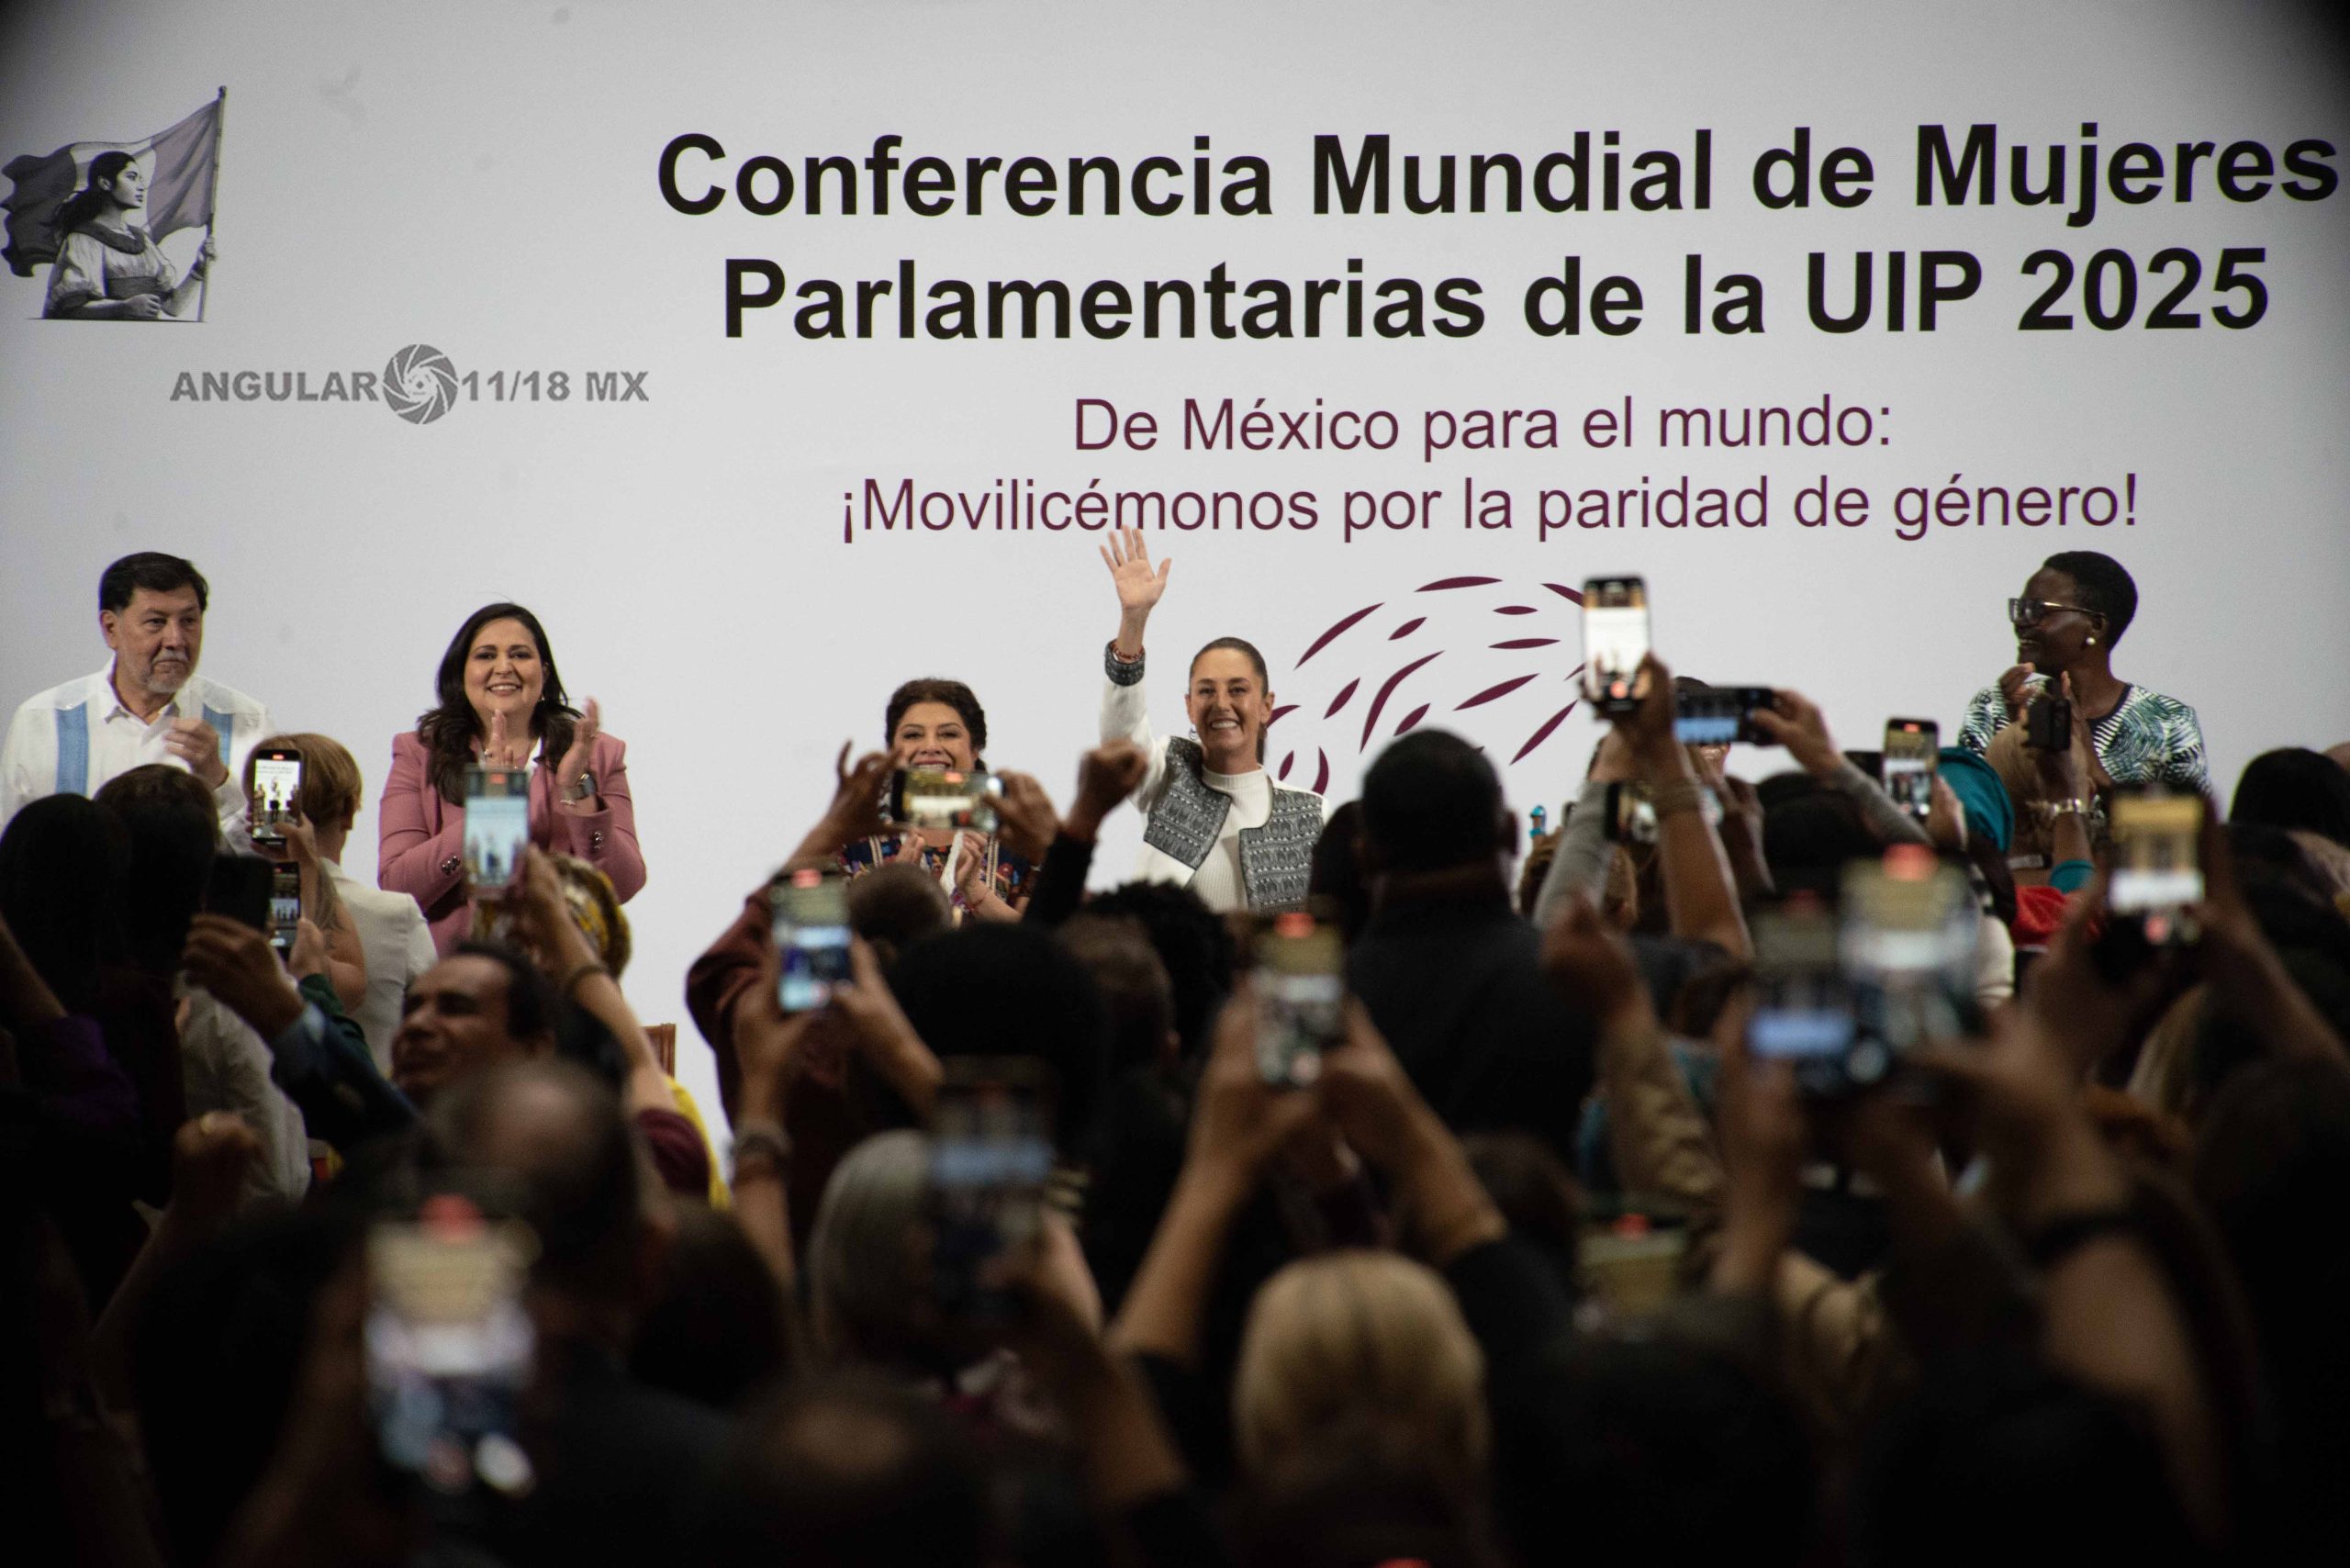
column 419, row 834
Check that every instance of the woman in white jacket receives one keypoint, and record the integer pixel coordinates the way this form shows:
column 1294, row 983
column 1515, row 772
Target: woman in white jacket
column 1214, row 818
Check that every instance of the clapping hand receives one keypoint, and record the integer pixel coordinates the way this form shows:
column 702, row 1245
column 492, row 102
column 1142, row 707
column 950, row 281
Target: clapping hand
column 502, row 748
column 2015, row 689
column 196, row 743
column 578, row 757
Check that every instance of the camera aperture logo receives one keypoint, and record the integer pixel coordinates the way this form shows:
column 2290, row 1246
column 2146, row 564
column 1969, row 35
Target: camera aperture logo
column 419, row 383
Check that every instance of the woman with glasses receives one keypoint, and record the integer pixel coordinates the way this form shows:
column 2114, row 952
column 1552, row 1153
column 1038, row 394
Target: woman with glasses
column 2073, row 611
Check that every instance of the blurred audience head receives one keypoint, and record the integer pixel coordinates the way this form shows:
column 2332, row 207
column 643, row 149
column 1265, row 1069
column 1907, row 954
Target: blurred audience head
column 2294, row 788
column 1117, row 953
column 846, row 1470
column 1368, row 1341
column 1432, row 802
column 63, row 864
column 173, row 824
column 894, row 906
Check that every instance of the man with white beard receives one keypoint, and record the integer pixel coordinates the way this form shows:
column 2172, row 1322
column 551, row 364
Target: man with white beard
column 148, row 704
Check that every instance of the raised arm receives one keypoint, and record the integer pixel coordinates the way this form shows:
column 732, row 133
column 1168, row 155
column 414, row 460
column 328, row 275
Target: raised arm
column 1238, row 1121
column 1797, row 722
column 1700, row 894
column 411, row 858
column 1126, row 716
column 573, row 963
column 1139, row 589
column 601, row 829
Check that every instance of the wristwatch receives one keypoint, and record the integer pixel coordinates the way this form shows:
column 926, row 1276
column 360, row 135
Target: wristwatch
column 582, row 788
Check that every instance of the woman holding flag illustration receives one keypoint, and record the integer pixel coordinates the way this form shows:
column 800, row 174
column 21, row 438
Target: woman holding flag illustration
column 106, row 266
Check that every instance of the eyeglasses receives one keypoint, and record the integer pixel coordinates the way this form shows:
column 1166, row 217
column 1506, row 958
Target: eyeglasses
column 2033, row 611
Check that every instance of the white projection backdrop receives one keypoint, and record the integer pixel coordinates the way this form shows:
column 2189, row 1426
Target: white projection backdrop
column 482, row 179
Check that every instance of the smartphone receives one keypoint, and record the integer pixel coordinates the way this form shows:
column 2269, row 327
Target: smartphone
column 2158, row 870
column 991, row 1155
column 276, row 792
column 1720, row 715
column 284, row 904
column 1803, row 1008
column 1912, row 747
column 809, row 925
column 2048, row 723
column 944, row 798
column 1615, row 641
column 1630, row 815
column 1909, row 924
column 497, row 828
column 449, row 1346
column 241, row 886
column 1300, row 998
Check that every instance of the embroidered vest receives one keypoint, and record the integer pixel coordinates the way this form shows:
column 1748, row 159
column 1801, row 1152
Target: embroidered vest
column 1274, row 858
column 73, row 744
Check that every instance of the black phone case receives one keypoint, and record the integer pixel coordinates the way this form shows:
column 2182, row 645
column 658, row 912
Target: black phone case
column 239, row 887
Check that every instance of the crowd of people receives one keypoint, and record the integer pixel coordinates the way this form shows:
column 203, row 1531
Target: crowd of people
column 1356, row 1184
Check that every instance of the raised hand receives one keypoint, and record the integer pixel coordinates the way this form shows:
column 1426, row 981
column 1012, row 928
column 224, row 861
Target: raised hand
column 500, row 749
column 1139, row 588
column 209, row 1154
column 1105, row 776
column 971, row 878
column 196, row 743
column 1794, row 721
column 1029, row 821
column 2015, row 689
column 1945, row 818
column 577, row 759
column 237, row 965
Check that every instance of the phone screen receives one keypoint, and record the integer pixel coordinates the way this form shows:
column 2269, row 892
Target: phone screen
column 991, row 1155
column 1721, row 715
column 812, row 938
column 2157, row 871
column 277, row 793
column 449, row 1346
column 1910, row 926
column 1910, row 754
column 944, row 798
column 498, row 826
column 1615, row 641
column 1300, row 998
column 1803, row 1010
column 284, row 904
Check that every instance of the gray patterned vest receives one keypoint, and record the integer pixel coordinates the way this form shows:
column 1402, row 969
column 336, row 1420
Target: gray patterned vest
column 1274, row 858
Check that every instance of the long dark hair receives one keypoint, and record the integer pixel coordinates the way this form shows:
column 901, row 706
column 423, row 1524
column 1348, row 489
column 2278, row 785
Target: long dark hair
column 450, row 730
column 89, row 201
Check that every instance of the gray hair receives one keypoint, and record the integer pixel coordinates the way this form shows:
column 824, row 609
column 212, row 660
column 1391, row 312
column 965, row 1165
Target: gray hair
column 862, row 1290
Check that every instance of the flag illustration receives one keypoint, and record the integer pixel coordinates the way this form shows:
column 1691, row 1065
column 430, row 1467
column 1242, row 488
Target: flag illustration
column 183, row 163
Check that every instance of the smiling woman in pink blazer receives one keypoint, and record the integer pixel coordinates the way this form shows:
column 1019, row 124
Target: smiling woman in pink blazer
column 502, row 704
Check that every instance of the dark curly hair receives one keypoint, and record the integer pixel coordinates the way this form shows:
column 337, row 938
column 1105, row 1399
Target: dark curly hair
column 450, row 730
column 954, row 695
